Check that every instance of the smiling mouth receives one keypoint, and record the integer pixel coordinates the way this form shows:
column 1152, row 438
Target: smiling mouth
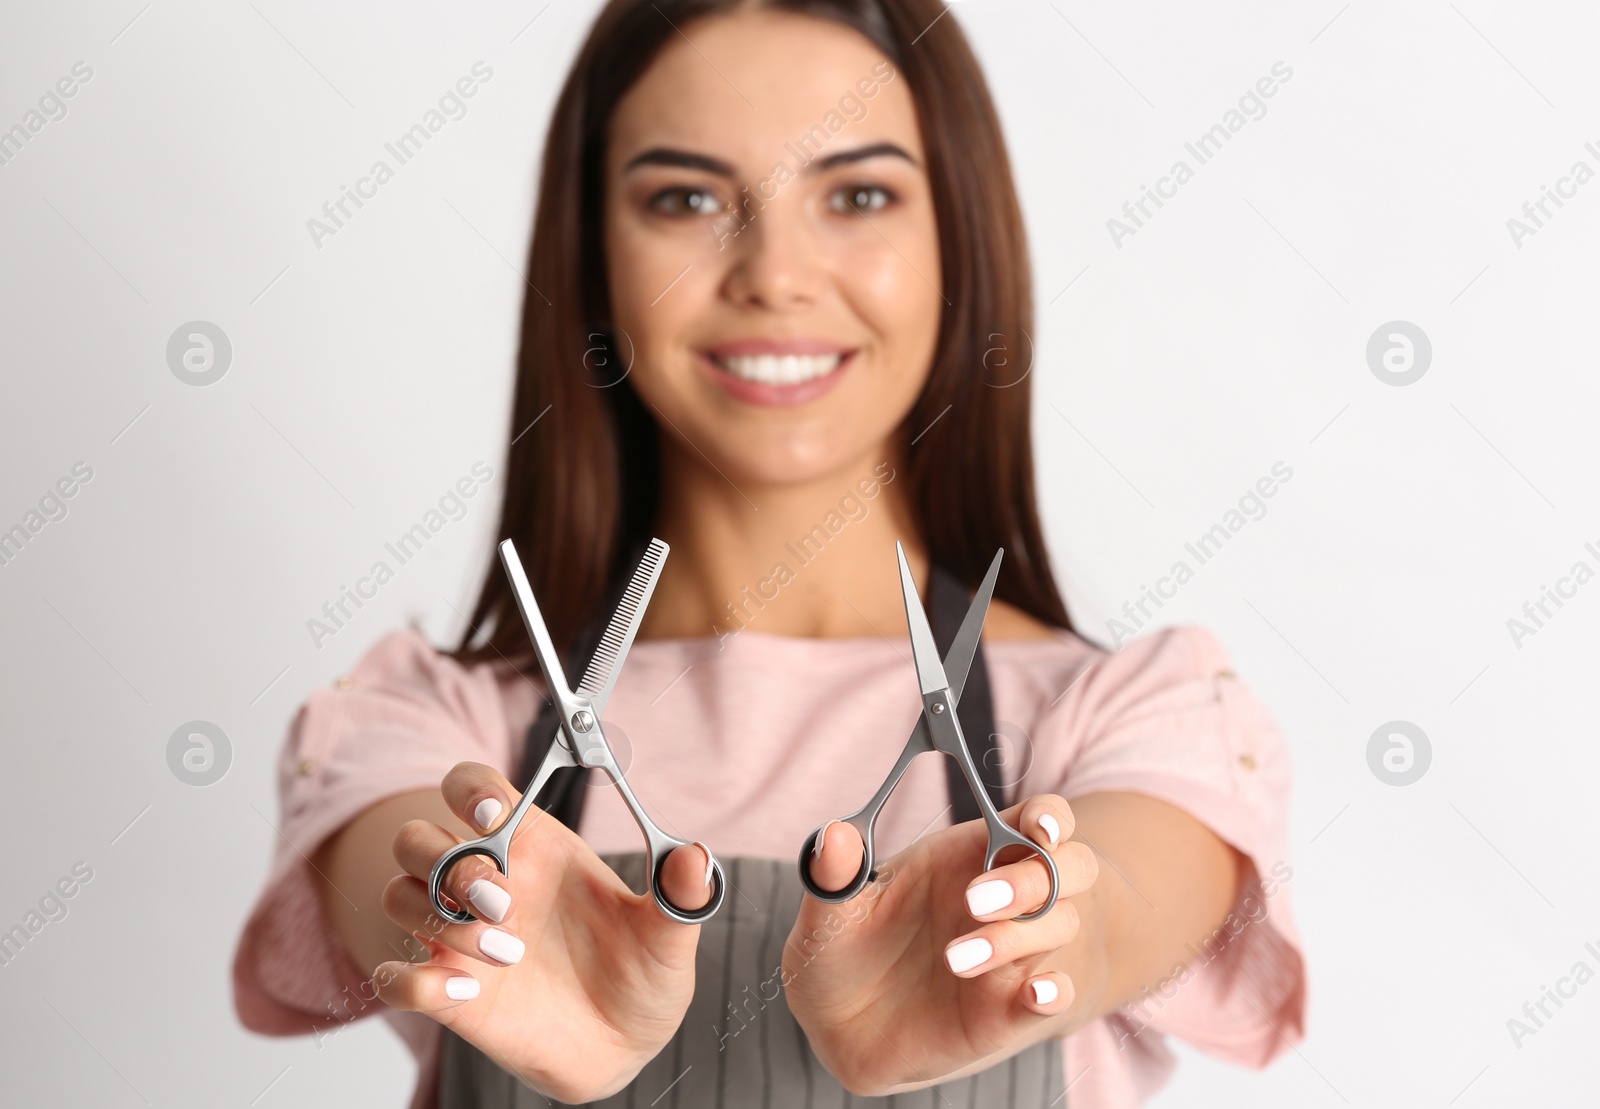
column 779, row 369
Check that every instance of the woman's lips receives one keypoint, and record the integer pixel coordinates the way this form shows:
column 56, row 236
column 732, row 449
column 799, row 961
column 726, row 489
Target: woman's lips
column 774, row 373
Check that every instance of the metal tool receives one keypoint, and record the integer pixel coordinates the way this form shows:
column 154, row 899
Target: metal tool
column 581, row 739
column 937, row 729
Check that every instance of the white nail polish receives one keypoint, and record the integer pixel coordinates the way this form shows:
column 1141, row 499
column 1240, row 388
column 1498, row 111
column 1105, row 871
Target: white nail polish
column 989, row 897
column 487, row 812
column 489, row 899
column 968, row 954
column 461, row 989
column 1044, row 991
column 1051, row 828
column 709, row 869
column 501, row 946
column 822, row 836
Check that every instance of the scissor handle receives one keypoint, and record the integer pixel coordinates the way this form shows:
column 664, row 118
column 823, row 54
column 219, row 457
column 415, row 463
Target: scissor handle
column 493, row 848
column 490, row 847
column 496, row 846
column 719, row 889
column 658, row 845
column 866, row 874
column 947, row 737
column 1003, row 835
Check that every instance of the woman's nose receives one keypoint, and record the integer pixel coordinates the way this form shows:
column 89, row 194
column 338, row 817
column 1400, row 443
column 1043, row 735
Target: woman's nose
column 774, row 260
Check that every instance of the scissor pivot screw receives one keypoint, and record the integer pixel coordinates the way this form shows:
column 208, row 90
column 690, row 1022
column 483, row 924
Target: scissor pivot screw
column 582, row 720
column 938, row 708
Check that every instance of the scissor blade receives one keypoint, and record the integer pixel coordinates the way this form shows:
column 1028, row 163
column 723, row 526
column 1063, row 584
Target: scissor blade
column 965, row 645
column 544, row 652
column 930, row 671
column 609, row 656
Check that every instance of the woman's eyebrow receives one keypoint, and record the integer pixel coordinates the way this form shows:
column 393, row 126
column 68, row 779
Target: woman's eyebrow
column 860, row 154
column 684, row 159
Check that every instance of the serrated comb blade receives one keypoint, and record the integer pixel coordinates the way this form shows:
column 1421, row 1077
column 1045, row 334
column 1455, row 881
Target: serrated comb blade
column 601, row 674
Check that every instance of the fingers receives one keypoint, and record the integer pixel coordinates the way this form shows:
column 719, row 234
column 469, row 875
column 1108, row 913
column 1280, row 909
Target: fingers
column 1047, row 994
column 688, row 885
column 1006, row 941
column 836, row 858
column 1022, row 887
column 406, row 901
column 473, row 880
column 686, row 877
column 423, row 988
column 479, row 795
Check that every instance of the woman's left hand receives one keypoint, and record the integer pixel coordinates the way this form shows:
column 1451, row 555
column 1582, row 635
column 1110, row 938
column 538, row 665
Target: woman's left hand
column 925, row 975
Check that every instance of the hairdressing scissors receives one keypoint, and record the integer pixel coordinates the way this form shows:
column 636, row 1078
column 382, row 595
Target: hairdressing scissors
column 937, row 729
column 581, row 739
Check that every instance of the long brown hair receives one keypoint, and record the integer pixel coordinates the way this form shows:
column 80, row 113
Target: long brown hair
column 581, row 487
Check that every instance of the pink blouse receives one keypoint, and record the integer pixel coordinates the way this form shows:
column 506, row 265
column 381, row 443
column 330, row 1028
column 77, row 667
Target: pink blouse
column 750, row 742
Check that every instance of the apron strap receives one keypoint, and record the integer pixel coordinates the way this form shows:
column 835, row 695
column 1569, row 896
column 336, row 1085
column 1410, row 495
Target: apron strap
column 564, row 794
column 948, row 600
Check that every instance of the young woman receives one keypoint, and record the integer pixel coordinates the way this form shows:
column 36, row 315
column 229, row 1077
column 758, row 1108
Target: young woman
column 774, row 242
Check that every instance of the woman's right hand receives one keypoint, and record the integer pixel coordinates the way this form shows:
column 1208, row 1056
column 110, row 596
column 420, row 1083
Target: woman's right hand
column 578, row 982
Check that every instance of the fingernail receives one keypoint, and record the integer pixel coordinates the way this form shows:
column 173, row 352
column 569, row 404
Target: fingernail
column 461, row 989
column 487, row 812
column 1051, row 828
column 822, row 836
column 501, row 946
column 988, row 897
column 489, row 899
column 1044, row 991
column 967, row 954
column 709, row 865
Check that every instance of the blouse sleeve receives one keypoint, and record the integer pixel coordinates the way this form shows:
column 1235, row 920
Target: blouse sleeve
column 396, row 724
column 1166, row 716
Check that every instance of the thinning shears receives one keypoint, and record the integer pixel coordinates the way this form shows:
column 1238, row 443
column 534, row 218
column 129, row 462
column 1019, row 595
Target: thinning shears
column 581, row 739
column 937, row 729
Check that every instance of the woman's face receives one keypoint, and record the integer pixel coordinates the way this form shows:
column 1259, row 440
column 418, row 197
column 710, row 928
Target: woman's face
column 771, row 246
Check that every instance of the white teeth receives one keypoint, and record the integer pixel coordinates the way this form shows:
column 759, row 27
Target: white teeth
column 774, row 369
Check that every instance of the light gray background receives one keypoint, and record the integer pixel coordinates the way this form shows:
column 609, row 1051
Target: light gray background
column 1228, row 334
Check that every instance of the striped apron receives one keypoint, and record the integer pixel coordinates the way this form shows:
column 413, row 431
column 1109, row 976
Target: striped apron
column 739, row 1047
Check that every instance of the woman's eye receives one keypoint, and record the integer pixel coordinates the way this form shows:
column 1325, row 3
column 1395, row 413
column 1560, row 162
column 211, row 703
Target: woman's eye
column 686, row 202
column 861, row 198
